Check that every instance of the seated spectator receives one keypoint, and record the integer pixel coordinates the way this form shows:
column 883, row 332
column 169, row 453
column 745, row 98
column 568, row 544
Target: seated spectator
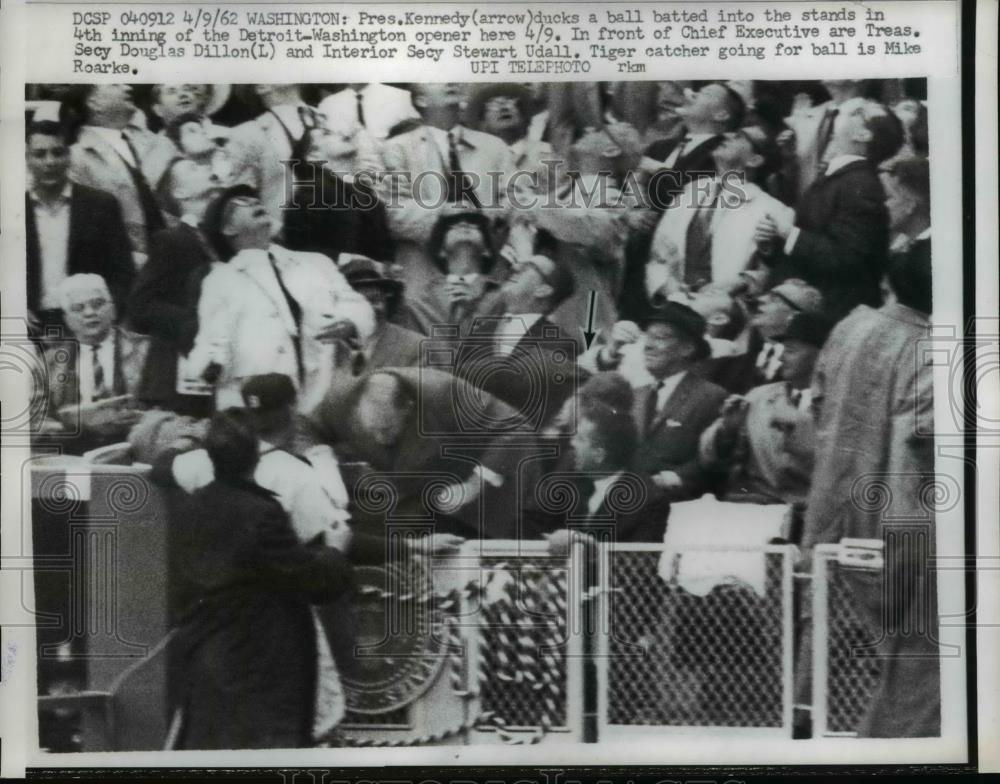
column 90, row 374
column 241, row 568
column 763, row 442
column 612, row 503
column 70, row 229
column 166, row 293
column 465, row 286
column 330, row 211
column 709, row 235
column 675, row 408
column 391, row 345
column 837, row 238
column 760, row 362
column 269, row 309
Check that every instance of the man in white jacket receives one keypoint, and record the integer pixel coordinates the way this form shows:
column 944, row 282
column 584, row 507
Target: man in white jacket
column 270, row 309
column 708, row 235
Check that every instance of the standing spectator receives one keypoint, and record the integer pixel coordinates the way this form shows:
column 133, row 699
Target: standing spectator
column 838, row 237
column 166, row 294
column 874, row 395
column 440, row 162
column 70, row 228
column 242, row 569
column 528, row 362
column 908, row 199
column 708, row 237
column 112, row 154
column 502, row 110
column 669, row 165
column 374, row 107
column 331, row 212
column 811, row 129
column 260, row 147
column 463, row 288
column 269, row 309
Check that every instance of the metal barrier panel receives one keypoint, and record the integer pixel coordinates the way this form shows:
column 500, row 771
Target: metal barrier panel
column 673, row 660
column 509, row 665
column 101, row 575
column 843, row 683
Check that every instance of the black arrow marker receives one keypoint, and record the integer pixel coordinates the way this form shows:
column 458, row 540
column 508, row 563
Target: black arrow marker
column 588, row 333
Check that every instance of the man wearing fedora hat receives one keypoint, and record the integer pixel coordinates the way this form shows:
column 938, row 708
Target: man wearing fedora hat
column 764, row 442
column 268, row 308
column 391, row 345
column 673, row 411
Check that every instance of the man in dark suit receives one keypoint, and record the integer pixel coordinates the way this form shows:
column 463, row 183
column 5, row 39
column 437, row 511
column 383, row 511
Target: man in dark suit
column 611, row 502
column 428, row 435
column 672, row 412
column 165, row 298
column 838, row 238
column 70, row 228
column 671, row 164
column 391, row 345
column 523, row 358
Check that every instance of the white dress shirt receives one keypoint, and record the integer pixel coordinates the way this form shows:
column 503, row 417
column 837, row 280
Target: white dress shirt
column 512, row 328
column 685, row 146
column 668, row 385
column 52, row 223
column 85, row 373
column 601, row 487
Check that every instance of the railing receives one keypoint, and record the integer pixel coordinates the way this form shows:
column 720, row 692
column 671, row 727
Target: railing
column 511, row 644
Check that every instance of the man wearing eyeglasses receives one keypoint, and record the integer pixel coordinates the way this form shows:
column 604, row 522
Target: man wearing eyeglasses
column 97, row 368
column 269, row 309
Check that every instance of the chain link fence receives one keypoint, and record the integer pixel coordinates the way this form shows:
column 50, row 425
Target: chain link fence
column 718, row 657
column 843, row 680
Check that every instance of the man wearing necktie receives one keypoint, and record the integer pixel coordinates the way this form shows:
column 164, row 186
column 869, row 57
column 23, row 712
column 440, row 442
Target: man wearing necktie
column 811, row 130
column 115, row 155
column 672, row 412
column 668, row 166
column 439, row 163
column 709, row 237
column 270, row 309
column 100, row 362
column 374, row 107
column 838, row 237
